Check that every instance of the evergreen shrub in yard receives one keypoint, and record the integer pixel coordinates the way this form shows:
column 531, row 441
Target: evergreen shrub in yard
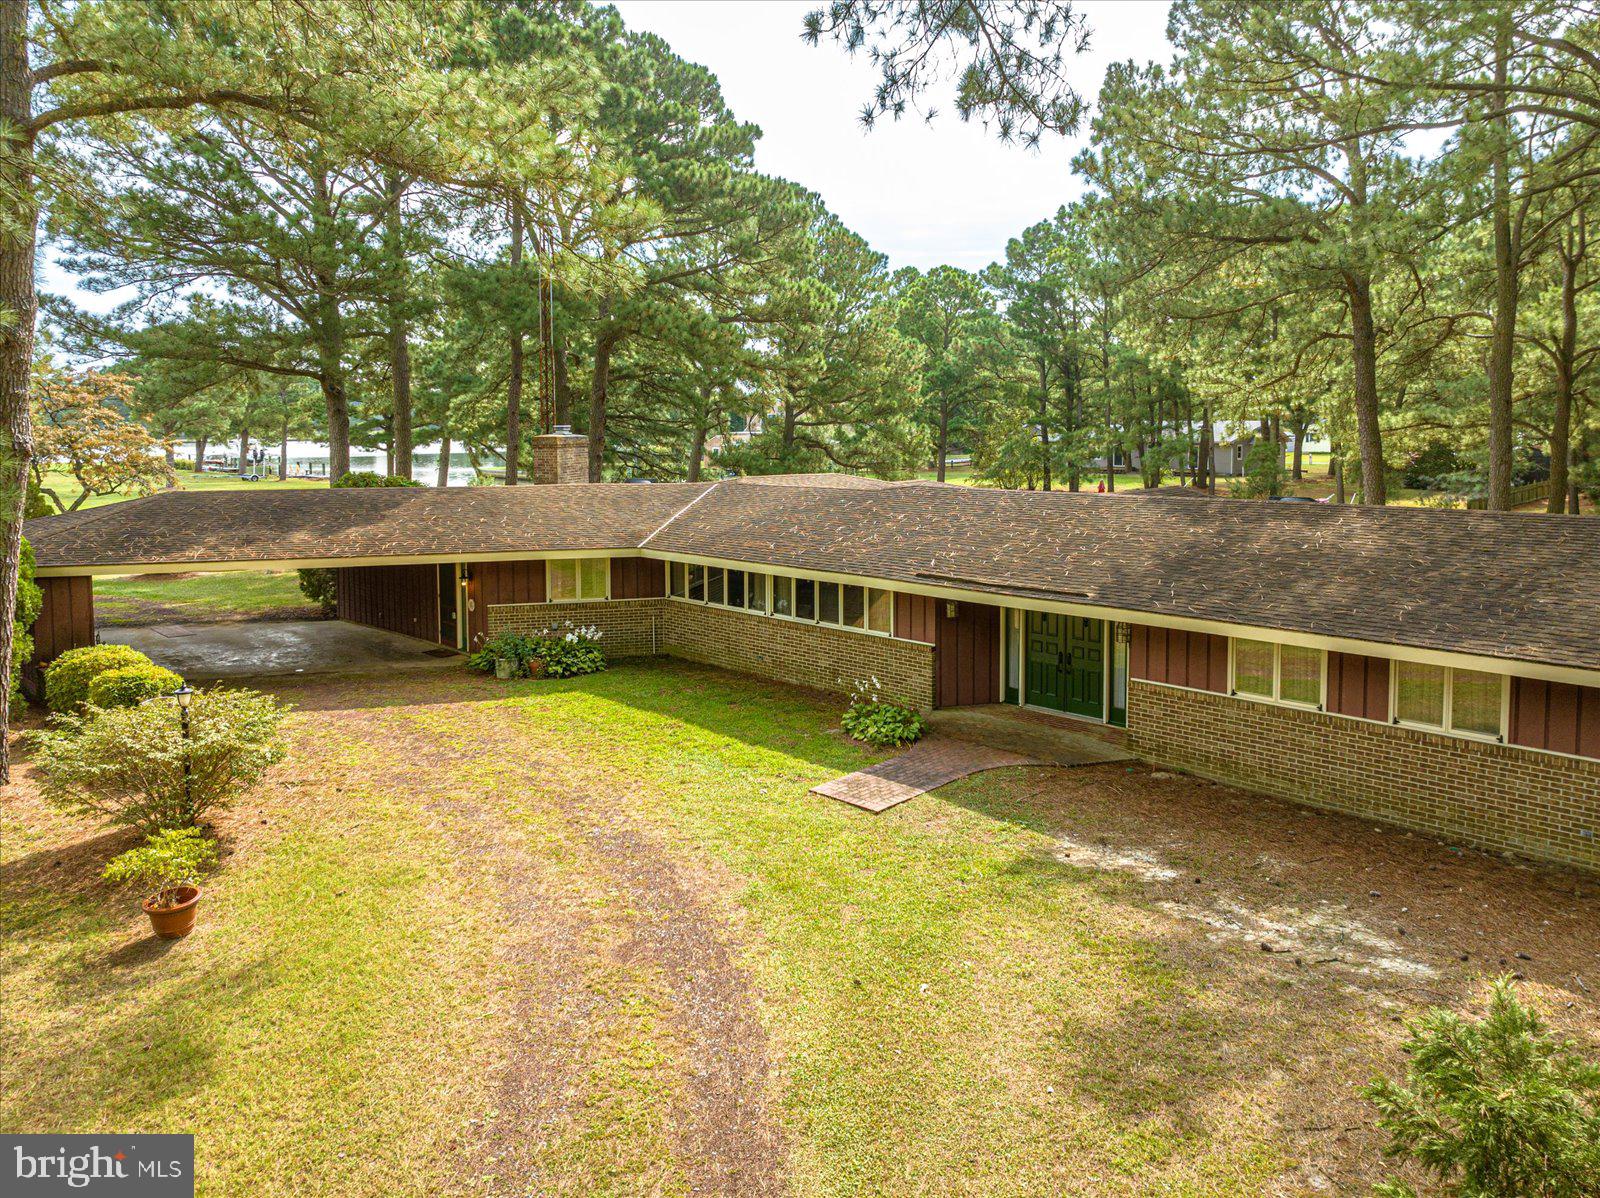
column 1493, row 1108
column 67, row 678
column 136, row 767
column 126, row 686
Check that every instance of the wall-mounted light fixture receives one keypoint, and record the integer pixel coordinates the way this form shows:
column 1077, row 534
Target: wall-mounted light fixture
column 1122, row 633
column 950, row 609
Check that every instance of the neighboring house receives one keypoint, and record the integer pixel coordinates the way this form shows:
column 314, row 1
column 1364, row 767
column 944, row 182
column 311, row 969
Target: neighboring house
column 1230, row 451
column 1437, row 669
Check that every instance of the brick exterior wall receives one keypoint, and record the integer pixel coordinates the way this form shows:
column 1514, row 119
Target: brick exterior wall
column 829, row 659
column 628, row 627
column 1487, row 795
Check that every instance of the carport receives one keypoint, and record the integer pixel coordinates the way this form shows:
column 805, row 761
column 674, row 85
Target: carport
column 417, row 565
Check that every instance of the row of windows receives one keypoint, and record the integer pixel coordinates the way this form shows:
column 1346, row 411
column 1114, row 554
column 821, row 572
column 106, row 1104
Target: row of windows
column 842, row 604
column 1448, row 698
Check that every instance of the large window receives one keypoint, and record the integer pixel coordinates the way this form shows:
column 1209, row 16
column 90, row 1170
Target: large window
column 1285, row 673
column 1471, row 702
column 575, row 579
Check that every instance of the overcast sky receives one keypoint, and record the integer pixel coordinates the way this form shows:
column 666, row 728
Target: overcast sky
column 923, row 194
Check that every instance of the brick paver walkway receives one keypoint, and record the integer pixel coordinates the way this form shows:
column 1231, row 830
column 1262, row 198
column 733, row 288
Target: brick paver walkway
column 926, row 765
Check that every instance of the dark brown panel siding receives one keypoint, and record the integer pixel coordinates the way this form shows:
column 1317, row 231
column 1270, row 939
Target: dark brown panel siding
column 66, row 621
column 638, row 578
column 1555, row 716
column 489, row 583
column 914, row 617
column 966, row 655
column 1358, row 686
column 1193, row 659
column 403, row 599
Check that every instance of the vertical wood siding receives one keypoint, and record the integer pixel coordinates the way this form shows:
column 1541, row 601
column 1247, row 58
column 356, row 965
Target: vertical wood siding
column 66, row 621
column 489, row 583
column 1194, row 659
column 914, row 617
column 1358, row 686
column 638, row 578
column 966, row 655
column 403, row 599
column 1555, row 716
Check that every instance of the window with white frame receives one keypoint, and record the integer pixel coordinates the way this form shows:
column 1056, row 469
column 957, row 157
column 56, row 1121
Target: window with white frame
column 813, row 600
column 1451, row 699
column 1283, row 673
column 575, row 579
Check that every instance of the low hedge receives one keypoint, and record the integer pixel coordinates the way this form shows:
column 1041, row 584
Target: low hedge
column 128, row 685
column 67, row 678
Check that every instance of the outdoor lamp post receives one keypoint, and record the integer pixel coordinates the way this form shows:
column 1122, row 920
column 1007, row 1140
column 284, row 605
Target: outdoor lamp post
column 185, row 695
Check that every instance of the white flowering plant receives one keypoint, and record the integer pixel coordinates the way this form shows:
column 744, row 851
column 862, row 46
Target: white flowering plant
column 876, row 720
column 562, row 652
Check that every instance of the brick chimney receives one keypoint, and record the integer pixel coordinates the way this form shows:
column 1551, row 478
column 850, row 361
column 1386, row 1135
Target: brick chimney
column 559, row 457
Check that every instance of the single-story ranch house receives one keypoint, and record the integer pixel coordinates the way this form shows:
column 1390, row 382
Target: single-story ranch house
column 1438, row 670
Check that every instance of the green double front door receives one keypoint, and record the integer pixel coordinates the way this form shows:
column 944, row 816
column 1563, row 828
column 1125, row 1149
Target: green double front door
column 1065, row 660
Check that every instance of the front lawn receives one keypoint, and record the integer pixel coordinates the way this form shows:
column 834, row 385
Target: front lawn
column 594, row 937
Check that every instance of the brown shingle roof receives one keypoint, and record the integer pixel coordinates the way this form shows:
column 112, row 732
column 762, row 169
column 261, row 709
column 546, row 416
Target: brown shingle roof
column 1498, row 584
column 1504, row 585
column 243, row 526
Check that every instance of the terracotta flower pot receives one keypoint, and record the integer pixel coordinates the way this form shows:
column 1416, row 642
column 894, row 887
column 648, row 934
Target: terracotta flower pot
column 175, row 922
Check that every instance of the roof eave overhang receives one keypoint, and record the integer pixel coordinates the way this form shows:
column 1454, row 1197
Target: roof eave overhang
column 1573, row 675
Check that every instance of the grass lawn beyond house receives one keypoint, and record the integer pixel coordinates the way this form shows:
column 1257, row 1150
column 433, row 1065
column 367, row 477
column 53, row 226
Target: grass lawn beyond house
column 66, row 487
column 594, row 937
column 123, row 600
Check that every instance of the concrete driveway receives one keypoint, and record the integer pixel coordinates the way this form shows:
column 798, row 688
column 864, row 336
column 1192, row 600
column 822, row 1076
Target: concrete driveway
column 263, row 648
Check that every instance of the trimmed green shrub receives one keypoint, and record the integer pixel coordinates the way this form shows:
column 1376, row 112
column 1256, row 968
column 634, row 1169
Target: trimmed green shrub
column 170, row 859
column 67, row 678
column 134, row 766
column 1493, row 1108
column 883, row 722
column 29, row 600
column 319, row 587
column 366, row 478
column 127, row 685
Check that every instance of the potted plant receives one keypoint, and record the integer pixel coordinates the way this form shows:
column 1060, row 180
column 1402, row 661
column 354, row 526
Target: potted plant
column 169, row 865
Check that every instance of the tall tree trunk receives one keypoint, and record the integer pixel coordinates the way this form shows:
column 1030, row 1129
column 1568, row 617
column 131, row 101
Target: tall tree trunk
column 18, row 302
column 1502, row 336
column 399, row 332
column 443, row 478
column 514, row 385
column 1044, row 425
column 328, row 331
column 200, row 443
column 942, row 449
column 335, row 396
column 599, row 386
column 1205, row 465
column 1364, row 360
column 563, row 413
column 697, row 440
column 1570, row 248
column 244, row 449
column 283, row 447
column 1298, row 470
